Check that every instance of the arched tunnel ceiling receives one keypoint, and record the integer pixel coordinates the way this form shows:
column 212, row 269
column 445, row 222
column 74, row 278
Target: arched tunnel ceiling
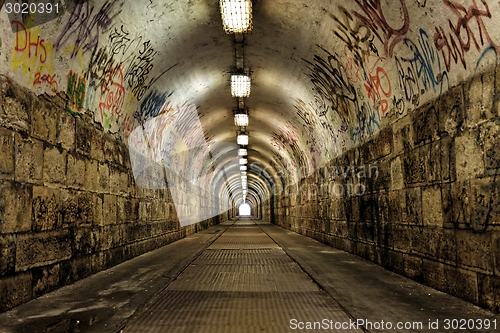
column 326, row 75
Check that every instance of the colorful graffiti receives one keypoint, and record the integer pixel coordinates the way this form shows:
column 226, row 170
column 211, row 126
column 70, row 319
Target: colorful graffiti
column 76, row 93
column 33, row 55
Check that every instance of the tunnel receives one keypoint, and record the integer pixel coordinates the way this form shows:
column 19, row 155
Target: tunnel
column 362, row 138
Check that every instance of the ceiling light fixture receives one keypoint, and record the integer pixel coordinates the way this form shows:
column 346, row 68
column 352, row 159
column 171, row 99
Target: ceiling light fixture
column 242, row 139
column 242, row 152
column 236, row 16
column 241, row 119
column 243, row 161
column 243, row 168
column 240, row 85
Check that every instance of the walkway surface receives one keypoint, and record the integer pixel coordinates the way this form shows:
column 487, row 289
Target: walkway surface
column 244, row 276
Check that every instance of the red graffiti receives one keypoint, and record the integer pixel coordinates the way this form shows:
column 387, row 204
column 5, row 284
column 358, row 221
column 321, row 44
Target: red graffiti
column 457, row 43
column 127, row 125
column 375, row 19
column 50, row 80
column 377, row 84
column 110, row 105
column 26, row 42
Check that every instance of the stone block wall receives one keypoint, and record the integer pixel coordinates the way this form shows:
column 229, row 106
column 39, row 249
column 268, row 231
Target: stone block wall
column 421, row 198
column 69, row 206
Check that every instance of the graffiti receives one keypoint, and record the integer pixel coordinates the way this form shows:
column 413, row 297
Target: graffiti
column 421, row 3
column 85, row 25
column 76, row 92
column 379, row 88
column 47, row 79
column 102, row 69
column 367, row 124
column 33, row 55
column 111, row 103
column 398, row 106
column 151, row 106
column 420, row 72
column 305, row 113
column 356, row 36
column 127, row 125
column 375, row 19
column 454, row 45
column 119, row 41
column 332, row 88
column 139, row 69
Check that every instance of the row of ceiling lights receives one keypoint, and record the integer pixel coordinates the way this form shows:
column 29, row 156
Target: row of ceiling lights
column 237, row 20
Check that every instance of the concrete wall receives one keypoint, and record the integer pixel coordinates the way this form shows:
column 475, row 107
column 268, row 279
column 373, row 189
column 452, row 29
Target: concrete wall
column 69, row 206
column 421, row 198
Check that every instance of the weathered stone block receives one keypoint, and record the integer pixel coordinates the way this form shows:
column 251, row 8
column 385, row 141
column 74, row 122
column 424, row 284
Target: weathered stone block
column 400, row 237
column 473, row 249
column 76, row 173
column 66, row 129
column 425, row 124
column 16, row 106
column 451, row 111
column 414, row 205
column 15, row 290
column 7, row 148
column 45, row 279
column 434, row 170
column 46, row 208
column 83, row 133
column 97, row 209
column 103, row 180
column 75, row 269
column 109, row 209
column 7, row 254
column 489, row 292
column 397, row 181
column 403, row 139
column 42, row 249
column 29, row 160
column 145, row 210
column 76, row 207
column 393, row 261
column 432, row 206
column 448, row 159
column 413, row 267
column 14, row 198
column 416, row 164
column 462, row 202
column 490, row 140
column 91, row 175
column 54, row 162
column 479, row 99
column 397, row 206
column 451, row 280
column 486, row 208
column 469, row 155
column 496, row 252
column 86, row 241
column 44, row 121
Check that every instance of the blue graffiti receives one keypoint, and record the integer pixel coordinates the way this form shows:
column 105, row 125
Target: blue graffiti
column 422, row 71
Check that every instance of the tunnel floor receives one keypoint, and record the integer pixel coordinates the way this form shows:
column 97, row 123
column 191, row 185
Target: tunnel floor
column 243, row 276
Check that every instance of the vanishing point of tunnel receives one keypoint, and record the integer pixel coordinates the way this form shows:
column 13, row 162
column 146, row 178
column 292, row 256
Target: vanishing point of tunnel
column 249, row 166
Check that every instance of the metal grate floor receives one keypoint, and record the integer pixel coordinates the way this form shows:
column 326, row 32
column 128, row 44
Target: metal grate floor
column 243, row 283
